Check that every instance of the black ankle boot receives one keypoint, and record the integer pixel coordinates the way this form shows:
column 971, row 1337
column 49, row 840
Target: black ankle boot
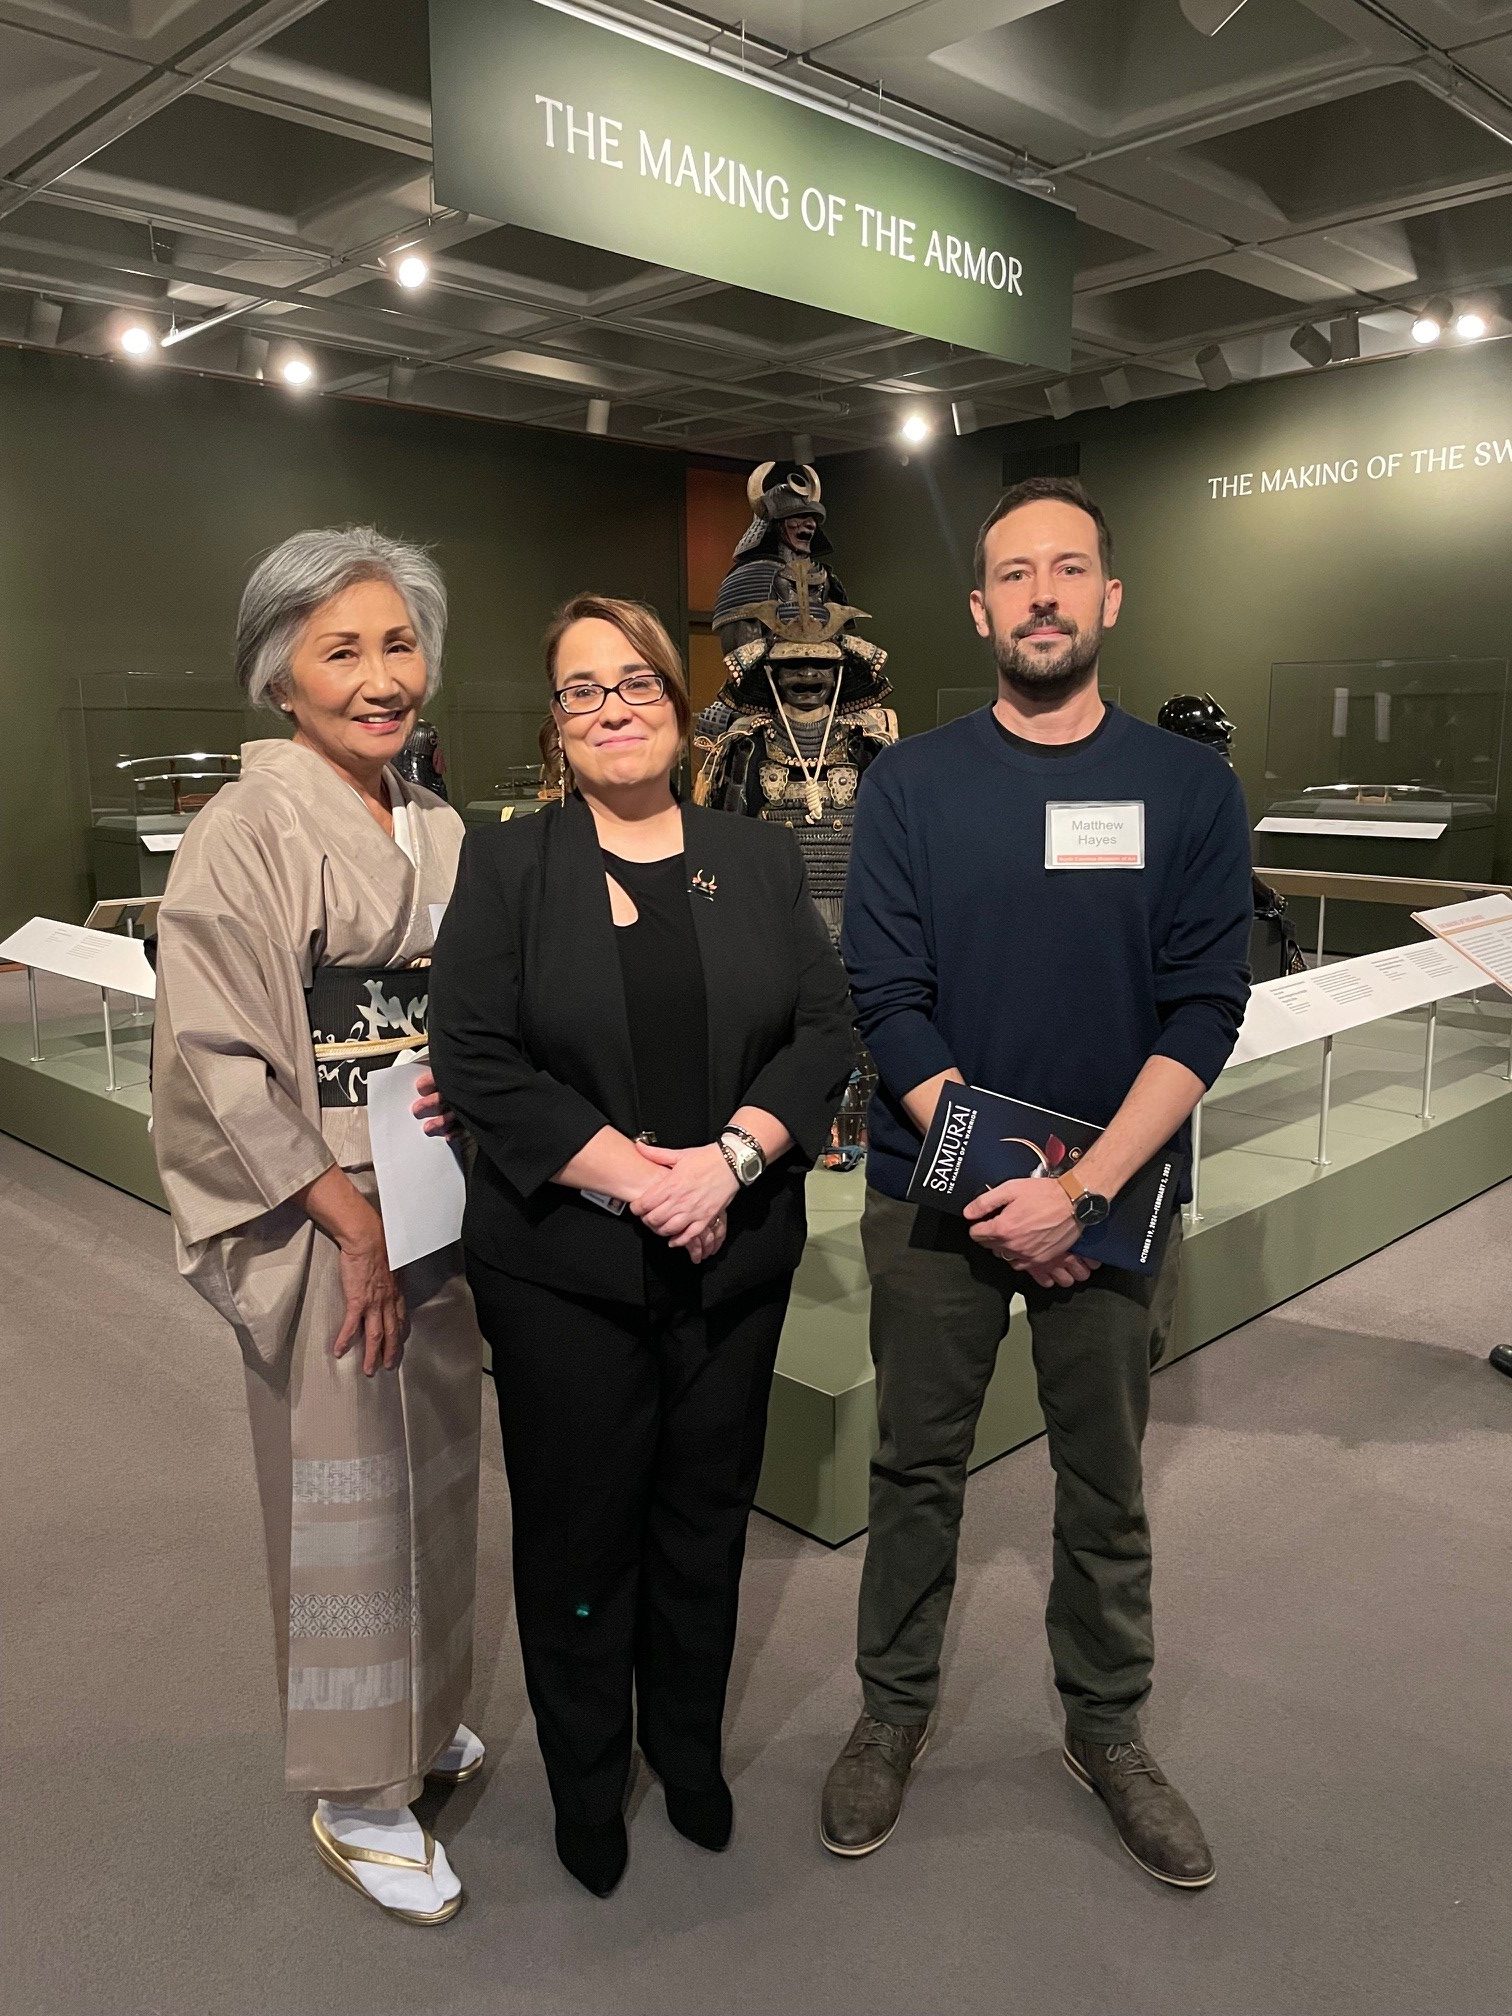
column 706, row 1817
column 596, row 1854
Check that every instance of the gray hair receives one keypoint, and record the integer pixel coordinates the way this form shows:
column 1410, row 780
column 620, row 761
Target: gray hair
column 289, row 584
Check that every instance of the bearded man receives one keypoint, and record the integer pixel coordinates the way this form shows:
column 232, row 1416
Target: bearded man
column 1051, row 900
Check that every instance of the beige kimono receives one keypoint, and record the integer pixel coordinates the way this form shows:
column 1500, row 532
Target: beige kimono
column 369, row 1487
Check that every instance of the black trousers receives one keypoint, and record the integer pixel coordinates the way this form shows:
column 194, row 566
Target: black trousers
column 632, row 1440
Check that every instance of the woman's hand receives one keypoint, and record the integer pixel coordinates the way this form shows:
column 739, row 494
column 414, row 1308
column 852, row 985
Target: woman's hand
column 695, row 1187
column 430, row 1107
column 376, row 1317
column 708, row 1243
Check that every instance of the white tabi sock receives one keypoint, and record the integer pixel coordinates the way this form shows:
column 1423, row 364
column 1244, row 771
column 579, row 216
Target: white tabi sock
column 463, row 1750
column 394, row 1832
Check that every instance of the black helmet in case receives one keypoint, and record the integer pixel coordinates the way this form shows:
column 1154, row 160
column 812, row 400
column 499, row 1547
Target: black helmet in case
column 1199, row 717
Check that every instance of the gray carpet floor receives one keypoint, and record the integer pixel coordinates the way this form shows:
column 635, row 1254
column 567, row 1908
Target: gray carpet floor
column 1332, row 1504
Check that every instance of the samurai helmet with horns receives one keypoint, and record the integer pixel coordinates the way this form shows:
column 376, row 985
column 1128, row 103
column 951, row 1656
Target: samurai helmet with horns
column 778, row 490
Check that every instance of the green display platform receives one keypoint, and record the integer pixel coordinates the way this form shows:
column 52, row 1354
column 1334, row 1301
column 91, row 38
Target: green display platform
column 1273, row 1223
column 61, row 1105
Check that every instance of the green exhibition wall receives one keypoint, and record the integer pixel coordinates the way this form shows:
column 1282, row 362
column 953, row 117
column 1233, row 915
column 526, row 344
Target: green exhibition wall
column 1414, row 563
column 133, row 502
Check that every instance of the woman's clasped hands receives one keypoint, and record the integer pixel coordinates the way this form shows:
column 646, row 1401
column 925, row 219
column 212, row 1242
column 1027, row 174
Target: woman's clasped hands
column 687, row 1202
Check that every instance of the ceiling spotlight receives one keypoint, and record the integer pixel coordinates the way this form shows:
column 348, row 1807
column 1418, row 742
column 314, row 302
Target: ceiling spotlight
column 1116, row 387
column 43, row 321
column 915, row 429
column 401, row 381
column 1470, row 326
column 963, row 416
column 137, row 340
column 803, row 448
column 1433, row 321
column 598, row 416
column 1312, row 346
column 1214, row 367
column 297, row 371
column 1059, row 399
column 1344, row 338
column 412, row 270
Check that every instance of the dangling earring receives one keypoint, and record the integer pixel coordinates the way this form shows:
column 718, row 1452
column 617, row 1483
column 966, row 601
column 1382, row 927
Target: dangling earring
column 564, row 769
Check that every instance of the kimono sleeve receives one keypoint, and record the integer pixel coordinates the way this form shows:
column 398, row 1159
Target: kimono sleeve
column 231, row 1131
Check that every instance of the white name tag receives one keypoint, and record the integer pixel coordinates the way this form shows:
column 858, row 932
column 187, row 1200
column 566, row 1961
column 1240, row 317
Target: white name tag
column 1095, row 835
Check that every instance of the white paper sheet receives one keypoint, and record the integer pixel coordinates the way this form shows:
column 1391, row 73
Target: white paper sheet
column 1305, row 1007
column 100, row 958
column 162, row 843
column 1480, row 930
column 1358, row 829
column 421, row 1187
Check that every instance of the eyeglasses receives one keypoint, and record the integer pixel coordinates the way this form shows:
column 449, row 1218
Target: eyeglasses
column 585, row 696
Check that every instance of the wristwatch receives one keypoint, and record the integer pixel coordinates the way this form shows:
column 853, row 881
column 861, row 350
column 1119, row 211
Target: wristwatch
column 743, row 1153
column 1087, row 1207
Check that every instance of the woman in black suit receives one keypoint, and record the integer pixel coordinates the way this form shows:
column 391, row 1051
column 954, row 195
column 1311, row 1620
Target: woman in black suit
column 636, row 1010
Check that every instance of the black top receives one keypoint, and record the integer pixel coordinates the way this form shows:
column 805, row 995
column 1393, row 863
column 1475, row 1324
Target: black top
column 530, row 1039
column 666, row 1003
column 1049, row 748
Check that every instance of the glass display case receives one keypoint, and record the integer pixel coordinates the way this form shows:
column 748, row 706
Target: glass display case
column 156, row 747
column 1383, row 767
column 492, row 756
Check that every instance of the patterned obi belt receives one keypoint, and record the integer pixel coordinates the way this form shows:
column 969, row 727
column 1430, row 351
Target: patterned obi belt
column 362, row 1019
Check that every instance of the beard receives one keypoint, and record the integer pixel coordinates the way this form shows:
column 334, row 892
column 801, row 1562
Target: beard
column 1036, row 676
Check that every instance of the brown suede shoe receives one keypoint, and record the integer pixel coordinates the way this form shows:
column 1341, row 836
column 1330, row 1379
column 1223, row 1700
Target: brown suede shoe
column 863, row 1794
column 1154, row 1822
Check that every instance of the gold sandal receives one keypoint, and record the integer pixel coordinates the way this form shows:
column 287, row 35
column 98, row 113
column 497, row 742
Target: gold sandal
column 339, row 1856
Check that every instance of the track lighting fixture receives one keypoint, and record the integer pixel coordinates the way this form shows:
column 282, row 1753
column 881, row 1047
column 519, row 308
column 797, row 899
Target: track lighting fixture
column 1433, row 321
column 1344, row 338
column 138, row 341
column 1312, row 346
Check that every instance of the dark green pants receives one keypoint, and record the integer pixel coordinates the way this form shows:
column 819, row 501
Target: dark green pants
column 939, row 1310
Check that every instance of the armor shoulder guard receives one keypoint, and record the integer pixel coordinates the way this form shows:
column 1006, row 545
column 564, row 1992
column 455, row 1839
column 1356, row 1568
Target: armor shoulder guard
column 862, row 648
column 877, row 724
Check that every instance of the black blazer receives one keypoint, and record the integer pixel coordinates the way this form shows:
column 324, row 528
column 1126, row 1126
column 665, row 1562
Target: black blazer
column 530, row 1039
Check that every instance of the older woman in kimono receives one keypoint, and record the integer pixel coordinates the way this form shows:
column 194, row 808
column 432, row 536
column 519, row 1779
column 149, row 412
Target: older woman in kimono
column 292, row 944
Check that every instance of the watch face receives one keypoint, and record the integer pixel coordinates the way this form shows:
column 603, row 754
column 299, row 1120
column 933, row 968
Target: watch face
column 1090, row 1208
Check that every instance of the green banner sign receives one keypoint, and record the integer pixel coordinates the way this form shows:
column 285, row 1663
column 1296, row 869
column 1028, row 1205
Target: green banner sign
column 576, row 127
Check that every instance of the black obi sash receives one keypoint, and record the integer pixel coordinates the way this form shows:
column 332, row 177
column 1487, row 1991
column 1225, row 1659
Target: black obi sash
column 362, row 1019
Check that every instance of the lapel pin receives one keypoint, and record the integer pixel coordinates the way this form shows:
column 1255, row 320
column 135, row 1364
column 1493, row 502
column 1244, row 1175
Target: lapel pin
column 706, row 885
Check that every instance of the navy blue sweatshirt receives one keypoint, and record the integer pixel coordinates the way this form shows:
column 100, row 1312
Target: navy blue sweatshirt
column 1050, row 985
